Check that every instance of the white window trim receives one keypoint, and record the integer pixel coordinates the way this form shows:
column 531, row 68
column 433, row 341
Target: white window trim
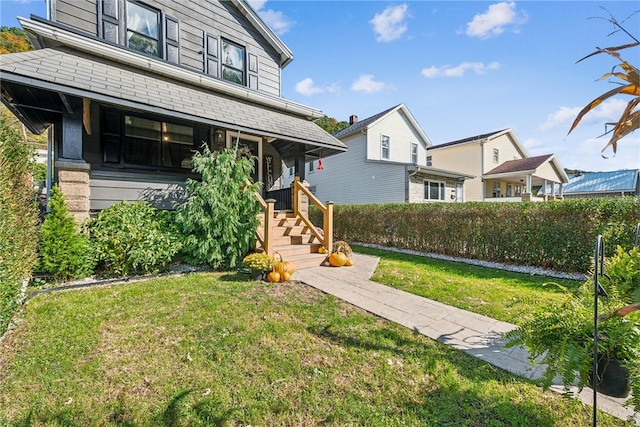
column 382, row 137
column 414, row 153
column 441, row 185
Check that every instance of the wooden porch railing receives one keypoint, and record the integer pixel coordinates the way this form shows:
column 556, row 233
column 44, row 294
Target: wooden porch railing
column 327, row 214
column 263, row 234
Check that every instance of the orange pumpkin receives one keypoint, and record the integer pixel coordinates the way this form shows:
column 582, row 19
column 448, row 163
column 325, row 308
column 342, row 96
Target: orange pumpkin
column 337, row 259
column 285, row 277
column 274, row 277
column 349, row 263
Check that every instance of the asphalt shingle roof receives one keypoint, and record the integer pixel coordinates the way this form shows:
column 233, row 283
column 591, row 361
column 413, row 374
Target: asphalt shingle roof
column 520, row 165
column 70, row 71
column 361, row 124
column 462, row 141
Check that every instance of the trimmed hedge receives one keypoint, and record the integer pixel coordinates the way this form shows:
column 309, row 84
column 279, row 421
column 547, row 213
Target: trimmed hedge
column 18, row 220
column 558, row 235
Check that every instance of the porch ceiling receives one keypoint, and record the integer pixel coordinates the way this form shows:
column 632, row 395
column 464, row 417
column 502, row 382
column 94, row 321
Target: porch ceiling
column 36, row 84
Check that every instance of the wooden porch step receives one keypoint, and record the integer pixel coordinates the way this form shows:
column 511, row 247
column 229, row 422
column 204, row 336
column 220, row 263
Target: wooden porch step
column 306, row 261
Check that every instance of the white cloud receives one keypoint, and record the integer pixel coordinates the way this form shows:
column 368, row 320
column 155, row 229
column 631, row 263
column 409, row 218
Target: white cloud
column 276, row 20
column 389, row 24
column 307, row 87
column 459, row 70
column 608, row 111
column 494, row 21
column 366, row 83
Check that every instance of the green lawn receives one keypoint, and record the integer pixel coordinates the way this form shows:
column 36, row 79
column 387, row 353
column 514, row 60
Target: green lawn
column 495, row 293
column 217, row 349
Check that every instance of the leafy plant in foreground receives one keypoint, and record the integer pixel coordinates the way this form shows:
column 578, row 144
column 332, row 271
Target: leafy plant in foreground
column 132, row 238
column 221, row 216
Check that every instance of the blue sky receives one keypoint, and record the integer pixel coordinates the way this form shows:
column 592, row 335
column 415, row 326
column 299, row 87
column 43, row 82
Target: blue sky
column 462, row 67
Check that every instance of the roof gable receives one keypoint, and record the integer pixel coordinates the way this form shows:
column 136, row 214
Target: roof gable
column 370, row 121
column 520, row 165
column 286, row 56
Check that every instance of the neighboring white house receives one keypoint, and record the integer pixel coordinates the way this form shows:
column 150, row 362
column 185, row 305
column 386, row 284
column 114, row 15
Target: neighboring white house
column 386, row 162
column 501, row 167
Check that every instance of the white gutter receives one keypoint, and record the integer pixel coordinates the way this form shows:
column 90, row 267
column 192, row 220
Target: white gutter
column 137, row 60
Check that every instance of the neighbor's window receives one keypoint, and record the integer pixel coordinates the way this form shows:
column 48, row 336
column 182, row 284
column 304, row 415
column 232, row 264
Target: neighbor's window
column 385, row 147
column 155, row 143
column 509, row 190
column 143, row 28
column 434, row 190
column 496, row 155
column 496, row 189
column 429, row 161
column 414, row 153
column 233, row 62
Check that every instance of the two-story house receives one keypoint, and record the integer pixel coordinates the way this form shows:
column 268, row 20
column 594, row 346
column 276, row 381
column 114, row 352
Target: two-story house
column 501, row 167
column 386, row 162
column 131, row 88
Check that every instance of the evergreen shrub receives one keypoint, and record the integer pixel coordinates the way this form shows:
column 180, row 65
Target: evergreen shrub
column 220, row 218
column 18, row 220
column 64, row 252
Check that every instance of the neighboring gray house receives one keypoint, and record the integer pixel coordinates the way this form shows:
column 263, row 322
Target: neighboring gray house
column 386, row 162
column 584, row 185
column 131, row 88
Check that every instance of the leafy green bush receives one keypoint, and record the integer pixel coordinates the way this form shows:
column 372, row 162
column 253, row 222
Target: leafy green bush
column 221, row 216
column 130, row 238
column 18, row 219
column 63, row 252
column 557, row 235
column 624, row 269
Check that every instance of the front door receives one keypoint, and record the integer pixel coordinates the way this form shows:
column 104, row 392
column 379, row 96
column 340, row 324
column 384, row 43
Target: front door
column 254, row 147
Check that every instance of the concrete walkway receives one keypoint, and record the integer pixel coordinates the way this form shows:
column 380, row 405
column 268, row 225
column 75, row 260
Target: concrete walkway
column 477, row 335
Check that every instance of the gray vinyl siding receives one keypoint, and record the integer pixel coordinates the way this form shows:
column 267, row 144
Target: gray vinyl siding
column 108, row 189
column 79, row 14
column 348, row 179
column 195, row 19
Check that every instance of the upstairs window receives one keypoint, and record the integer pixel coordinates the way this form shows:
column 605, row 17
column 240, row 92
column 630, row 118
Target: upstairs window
column 143, row 28
column 414, row 153
column 233, row 62
column 496, row 155
column 429, row 161
column 385, row 147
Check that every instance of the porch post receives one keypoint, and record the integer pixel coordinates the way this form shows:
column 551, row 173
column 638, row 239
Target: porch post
column 528, row 184
column 544, row 185
column 299, row 162
column 72, row 173
column 561, row 193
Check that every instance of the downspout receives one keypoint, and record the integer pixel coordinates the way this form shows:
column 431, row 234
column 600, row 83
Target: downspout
column 49, row 166
column 408, row 188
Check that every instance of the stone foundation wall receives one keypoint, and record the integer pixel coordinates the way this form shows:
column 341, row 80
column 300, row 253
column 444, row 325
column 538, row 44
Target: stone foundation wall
column 73, row 180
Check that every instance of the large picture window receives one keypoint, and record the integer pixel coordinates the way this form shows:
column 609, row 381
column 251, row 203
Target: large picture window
column 143, row 28
column 434, row 190
column 233, row 62
column 154, row 143
column 140, row 141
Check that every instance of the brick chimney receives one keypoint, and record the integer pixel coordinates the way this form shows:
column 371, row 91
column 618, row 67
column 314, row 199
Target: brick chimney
column 353, row 119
